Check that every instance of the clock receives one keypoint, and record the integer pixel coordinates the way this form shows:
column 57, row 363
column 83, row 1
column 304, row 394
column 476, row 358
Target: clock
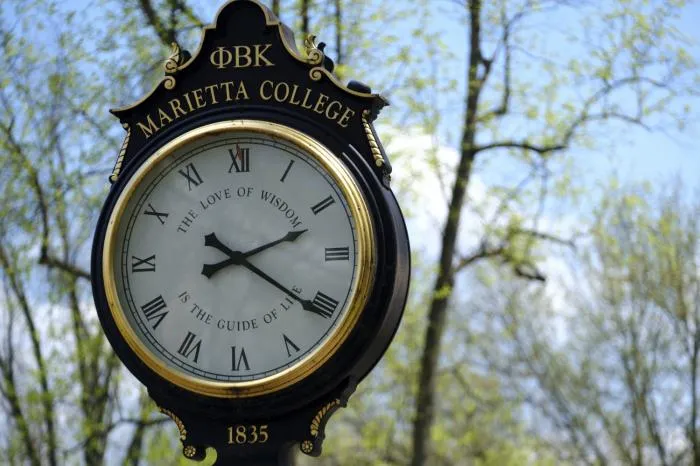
column 250, row 265
column 238, row 257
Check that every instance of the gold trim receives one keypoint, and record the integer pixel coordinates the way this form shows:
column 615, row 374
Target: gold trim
column 172, row 65
column 189, row 451
column 122, row 152
column 316, row 421
column 360, row 290
column 315, row 55
column 373, row 146
column 270, row 20
column 178, row 422
column 307, row 447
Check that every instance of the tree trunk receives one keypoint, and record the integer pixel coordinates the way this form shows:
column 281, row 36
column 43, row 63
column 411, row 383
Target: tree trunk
column 442, row 290
column 338, row 32
column 304, row 13
column 694, row 440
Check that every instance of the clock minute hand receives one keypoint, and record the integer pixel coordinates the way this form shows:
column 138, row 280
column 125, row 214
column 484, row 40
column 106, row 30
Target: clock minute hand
column 305, row 303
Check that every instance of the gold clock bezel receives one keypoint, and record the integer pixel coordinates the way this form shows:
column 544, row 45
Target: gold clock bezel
column 359, row 292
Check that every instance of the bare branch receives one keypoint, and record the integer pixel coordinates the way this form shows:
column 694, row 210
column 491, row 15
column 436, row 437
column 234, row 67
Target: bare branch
column 9, row 392
column 189, row 14
column 524, row 145
column 502, row 109
column 53, row 262
column 133, row 451
column 484, row 252
column 529, row 272
column 104, row 431
column 166, row 34
column 545, row 236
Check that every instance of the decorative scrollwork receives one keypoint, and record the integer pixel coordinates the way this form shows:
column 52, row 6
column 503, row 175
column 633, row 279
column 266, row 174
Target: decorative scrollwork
column 172, row 65
column 169, row 83
column 178, row 423
column 174, row 60
column 122, row 152
column 314, row 53
column 316, row 73
column 320, row 416
column 373, row 146
column 315, row 56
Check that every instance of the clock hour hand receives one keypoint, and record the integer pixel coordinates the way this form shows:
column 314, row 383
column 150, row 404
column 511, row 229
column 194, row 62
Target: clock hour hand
column 235, row 256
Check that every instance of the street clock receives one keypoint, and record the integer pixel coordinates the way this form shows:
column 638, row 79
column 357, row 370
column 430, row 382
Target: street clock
column 251, row 264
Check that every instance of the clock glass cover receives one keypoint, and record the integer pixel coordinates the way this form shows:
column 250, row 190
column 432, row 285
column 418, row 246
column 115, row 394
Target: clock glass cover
column 238, row 257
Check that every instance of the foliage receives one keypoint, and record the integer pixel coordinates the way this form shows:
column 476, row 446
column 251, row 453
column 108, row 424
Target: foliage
column 613, row 379
column 499, row 120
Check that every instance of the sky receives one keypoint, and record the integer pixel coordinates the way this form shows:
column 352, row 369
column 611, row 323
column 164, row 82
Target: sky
column 651, row 155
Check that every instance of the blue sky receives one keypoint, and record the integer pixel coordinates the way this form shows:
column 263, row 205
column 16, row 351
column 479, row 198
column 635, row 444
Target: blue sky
column 636, row 155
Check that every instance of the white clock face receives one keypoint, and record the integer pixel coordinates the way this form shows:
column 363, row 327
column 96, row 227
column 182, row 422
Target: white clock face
column 235, row 257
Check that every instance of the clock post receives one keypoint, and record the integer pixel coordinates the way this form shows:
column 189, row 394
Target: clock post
column 251, row 264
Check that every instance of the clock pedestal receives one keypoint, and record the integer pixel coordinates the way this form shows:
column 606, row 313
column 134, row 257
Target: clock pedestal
column 255, row 441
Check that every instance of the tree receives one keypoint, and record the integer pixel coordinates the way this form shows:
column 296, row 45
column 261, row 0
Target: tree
column 631, row 54
column 619, row 383
column 61, row 386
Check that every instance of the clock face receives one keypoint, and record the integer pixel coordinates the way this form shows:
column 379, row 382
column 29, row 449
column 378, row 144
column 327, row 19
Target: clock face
column 238, row 257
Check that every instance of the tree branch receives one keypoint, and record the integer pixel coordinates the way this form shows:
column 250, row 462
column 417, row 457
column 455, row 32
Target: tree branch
column 8, row 387
column 486, row 251
column 502, row 109
column 111, row 426
column 134, row 450
column 524, row 145
column 53, row 262
column 165, row 34
column 46, row 396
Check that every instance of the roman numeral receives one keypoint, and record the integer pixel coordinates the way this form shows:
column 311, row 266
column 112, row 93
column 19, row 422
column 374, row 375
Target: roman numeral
column 159, row 215
column 152, row 311
column 236, row 362
column 143, row 265
column 191, row 175
column 322, row 205
column 288, row 343
column 324, row 304
column 289, row 167
column 337, row 254
column 190, row 345
column 240, row 160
